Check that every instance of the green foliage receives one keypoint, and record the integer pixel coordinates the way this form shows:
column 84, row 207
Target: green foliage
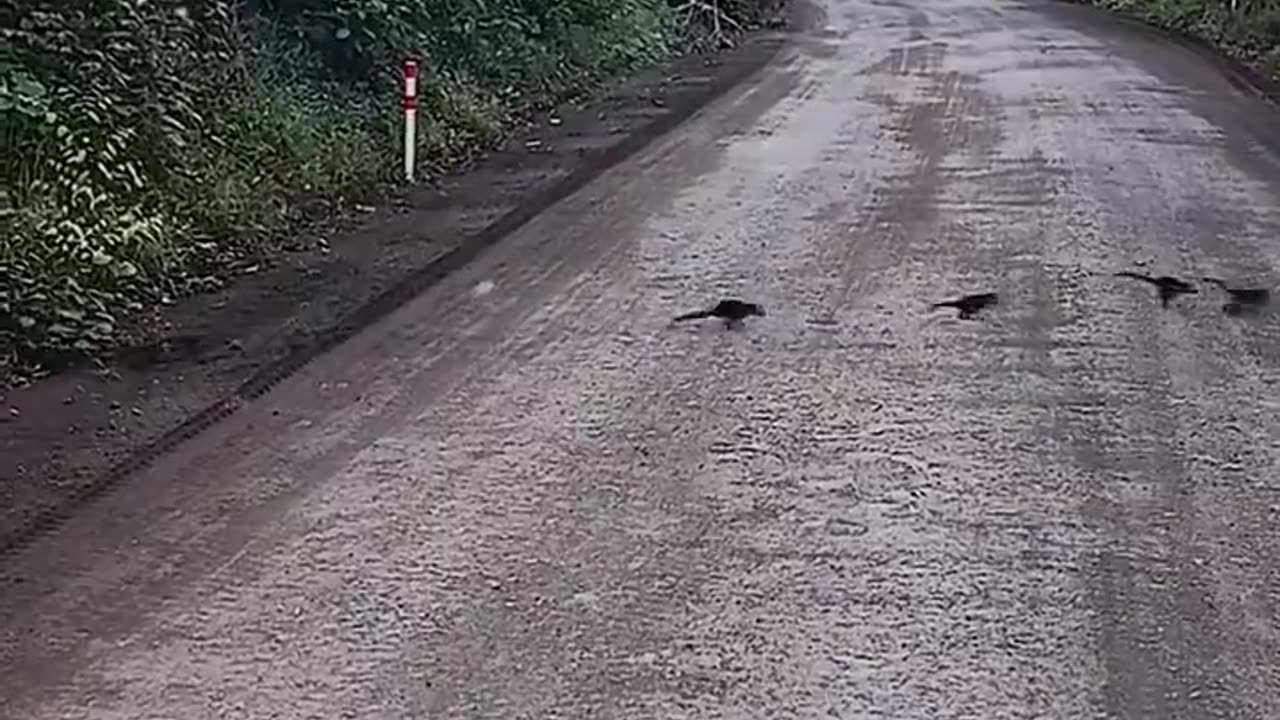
column 144, row 140
column 93, row 103
column 71, row 277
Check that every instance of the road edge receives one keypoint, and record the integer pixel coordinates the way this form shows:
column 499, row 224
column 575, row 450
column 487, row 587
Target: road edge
column 759, row 48
column 1237, row 72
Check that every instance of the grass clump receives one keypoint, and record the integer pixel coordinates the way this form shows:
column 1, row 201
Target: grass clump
column 149, row 144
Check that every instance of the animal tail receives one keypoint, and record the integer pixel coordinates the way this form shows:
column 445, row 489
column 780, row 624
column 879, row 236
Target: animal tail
column 1136, row 276
column 695, row 315
column 946, row 303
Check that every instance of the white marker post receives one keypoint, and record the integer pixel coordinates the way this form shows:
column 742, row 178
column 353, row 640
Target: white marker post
column 410, row 117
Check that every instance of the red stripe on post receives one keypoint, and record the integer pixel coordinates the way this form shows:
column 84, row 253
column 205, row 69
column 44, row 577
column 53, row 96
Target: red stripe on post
column 410, row 85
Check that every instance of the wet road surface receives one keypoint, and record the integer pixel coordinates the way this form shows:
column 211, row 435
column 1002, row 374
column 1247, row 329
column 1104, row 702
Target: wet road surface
column 526, row 496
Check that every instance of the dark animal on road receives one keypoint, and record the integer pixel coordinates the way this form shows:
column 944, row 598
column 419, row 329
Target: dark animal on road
column 731, row 311
column 1167, row 286
column 1236, row 309
column 969, row 305
column 1243, row 296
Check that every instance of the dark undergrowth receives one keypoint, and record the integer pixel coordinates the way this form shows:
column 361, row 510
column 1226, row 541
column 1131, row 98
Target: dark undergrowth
column 150, row 148
column 1248, row 30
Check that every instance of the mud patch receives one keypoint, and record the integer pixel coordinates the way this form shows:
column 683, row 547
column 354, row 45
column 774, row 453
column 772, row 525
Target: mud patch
column 949, row 114
column 1008, row 182
column 955, row 114
column 918, row 59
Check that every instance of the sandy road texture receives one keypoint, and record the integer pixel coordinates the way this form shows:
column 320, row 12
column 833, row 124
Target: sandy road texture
column 525, row 496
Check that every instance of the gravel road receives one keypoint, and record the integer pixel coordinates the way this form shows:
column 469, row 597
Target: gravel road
column 525, row 495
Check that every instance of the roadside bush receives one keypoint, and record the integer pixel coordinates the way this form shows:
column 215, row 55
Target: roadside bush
column 147, row 141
